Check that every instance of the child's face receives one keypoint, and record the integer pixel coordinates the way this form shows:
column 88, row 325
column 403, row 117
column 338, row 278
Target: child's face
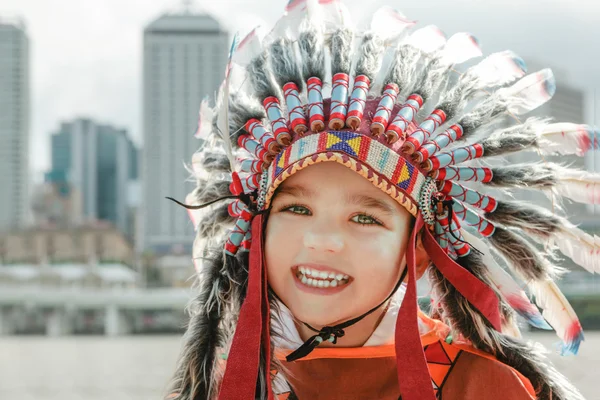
column 335, row 244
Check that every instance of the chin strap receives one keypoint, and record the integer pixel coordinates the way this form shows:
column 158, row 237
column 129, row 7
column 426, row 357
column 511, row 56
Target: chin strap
column 332, row 333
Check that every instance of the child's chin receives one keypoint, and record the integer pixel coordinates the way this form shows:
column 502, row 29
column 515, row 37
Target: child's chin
column 316, row 315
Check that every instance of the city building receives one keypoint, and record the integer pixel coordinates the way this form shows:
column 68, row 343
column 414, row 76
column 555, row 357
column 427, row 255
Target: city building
column 91, row 256
column 98, row 164
column 184, row 61
column 14, row 124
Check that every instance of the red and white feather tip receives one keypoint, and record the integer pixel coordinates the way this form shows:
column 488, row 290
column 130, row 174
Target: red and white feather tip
column 205, row 116
column 498, row 69
column 530, row 92
column 568, row 138
column 507, row 286
column 559, row 313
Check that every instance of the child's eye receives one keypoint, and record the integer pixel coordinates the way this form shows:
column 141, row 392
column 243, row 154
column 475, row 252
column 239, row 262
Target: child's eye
column 365, row 219
column 300, row 210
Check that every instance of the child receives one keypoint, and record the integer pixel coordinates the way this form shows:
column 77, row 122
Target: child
column 339, row 209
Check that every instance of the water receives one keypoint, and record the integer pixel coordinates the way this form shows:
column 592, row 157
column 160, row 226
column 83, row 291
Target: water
column 139, row 367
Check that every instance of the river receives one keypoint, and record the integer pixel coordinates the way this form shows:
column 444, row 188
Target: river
column 139, row 367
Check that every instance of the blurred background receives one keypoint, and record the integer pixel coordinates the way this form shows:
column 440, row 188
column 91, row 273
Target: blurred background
column 98, row 106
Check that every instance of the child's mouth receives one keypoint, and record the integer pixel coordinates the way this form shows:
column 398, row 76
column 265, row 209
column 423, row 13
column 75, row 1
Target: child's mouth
column 320, row 279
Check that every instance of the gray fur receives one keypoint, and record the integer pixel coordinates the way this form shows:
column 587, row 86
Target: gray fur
column 215, row 162
column 522, row 256
column 463, row 318
column 370, row 55
column 534, row 220
column 208, row 191
column 541, row 176
column 284, row 62
column 241, row 109
column 340, row 45
column 209, row 332
column 511, row 140
column 215, row 222
column 312, row 51
column 484, row 114
column 261, row 77
column 434, row 74
column 403, row 69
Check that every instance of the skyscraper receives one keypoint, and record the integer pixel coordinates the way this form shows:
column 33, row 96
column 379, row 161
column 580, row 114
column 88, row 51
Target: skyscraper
column 14, row 124
column 184, row 61
column 99, row 161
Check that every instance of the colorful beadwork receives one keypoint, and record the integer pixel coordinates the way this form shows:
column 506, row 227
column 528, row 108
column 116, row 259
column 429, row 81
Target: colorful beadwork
column 372, row 159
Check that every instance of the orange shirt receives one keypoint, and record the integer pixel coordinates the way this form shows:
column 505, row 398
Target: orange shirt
column 458, row 372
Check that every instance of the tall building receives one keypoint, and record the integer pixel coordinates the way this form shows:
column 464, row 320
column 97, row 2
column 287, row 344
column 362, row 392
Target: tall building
column 99, row 162
column 14, row 124
column 184, row 61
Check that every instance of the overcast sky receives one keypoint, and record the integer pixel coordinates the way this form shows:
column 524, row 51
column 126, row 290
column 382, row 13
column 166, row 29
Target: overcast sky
column 86, row 54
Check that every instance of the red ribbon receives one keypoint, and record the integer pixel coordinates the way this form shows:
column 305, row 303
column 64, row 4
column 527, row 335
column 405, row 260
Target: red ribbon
column 252, row 331
column 413, row 375
column 480, row 295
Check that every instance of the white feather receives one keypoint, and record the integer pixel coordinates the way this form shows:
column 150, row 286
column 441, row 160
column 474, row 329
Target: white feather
column 249, row 47
column 427, row 39
column 506, row 285
column 459, row 48
column 558, row 312
column 581, row 247
column 580, row 186
column 389, row 23
column 496, row 70
column 205, row 117
column 528, row 93
column 568, row 138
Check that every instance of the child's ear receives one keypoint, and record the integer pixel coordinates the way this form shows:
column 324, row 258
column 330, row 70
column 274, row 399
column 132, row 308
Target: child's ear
column 422, row 257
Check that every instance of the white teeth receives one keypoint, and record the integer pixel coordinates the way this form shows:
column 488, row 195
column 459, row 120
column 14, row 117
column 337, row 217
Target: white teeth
column 321, row 279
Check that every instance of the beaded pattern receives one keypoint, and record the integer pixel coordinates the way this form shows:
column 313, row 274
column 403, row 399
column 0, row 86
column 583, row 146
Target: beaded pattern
column 425, row 205
column 373, row 160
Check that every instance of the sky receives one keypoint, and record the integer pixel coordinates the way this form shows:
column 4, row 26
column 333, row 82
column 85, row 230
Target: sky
column 86, row 54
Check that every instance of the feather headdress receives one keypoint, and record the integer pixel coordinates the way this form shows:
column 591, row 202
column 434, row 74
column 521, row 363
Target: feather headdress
column 416, row 138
